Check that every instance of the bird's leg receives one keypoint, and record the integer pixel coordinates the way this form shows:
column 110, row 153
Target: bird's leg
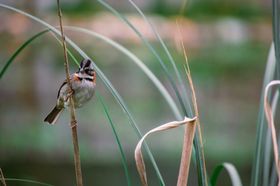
column 70, row 92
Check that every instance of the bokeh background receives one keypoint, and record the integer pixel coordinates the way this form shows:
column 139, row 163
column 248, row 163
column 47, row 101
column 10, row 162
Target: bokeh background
column 227, row 44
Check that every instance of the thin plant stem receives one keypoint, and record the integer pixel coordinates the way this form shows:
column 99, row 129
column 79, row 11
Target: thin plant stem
column 2, row 178
column 73, row 121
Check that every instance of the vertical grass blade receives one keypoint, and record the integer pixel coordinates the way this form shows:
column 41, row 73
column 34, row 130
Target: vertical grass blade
column 276, row 31
column 258, row 165
column 124, row 161
column 269, row 113
column 268, row 145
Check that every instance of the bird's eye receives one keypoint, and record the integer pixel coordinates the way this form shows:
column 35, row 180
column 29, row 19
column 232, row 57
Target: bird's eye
column 89, row 71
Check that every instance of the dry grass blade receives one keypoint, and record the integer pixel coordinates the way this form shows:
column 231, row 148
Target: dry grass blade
column 183, row 173
column 270, row 122
column 138, row 154
column 2, row 178
column 186, row 156
column 73, row 123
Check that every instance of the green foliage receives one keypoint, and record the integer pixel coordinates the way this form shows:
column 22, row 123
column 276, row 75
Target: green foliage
column 124, row 161
column 262, row 161
column 232, row 172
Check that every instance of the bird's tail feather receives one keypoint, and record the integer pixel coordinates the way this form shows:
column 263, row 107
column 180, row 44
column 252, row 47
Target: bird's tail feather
column 53, row 115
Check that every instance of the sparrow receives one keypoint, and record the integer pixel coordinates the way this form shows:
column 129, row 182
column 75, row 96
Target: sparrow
column 83, row 84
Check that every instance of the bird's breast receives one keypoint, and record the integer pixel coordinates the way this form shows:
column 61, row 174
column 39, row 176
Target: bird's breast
column 83, row 93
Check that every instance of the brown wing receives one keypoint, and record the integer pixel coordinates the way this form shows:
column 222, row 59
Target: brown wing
column 64, row 83
column 74, row 77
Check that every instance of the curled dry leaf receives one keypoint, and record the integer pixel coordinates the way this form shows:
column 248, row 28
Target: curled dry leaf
column 270, row 122
column 138, row 154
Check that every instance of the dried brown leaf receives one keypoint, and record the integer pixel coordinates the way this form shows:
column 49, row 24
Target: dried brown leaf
column 138, row 154
column 184, row 165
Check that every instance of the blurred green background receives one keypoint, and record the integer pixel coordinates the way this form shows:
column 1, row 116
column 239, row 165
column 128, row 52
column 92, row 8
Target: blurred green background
column 227, row 44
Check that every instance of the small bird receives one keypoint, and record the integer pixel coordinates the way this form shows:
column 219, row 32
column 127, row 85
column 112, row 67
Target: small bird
column 83, row 84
